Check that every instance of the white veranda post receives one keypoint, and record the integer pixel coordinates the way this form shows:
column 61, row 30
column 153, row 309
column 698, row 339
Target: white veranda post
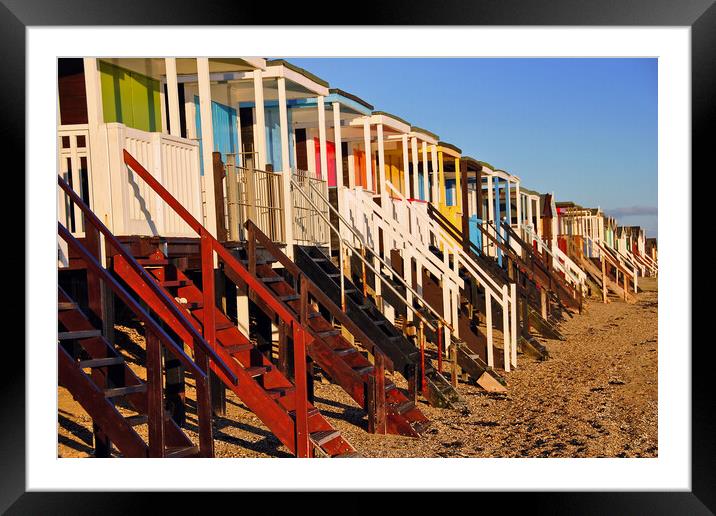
column 207, row 142
column 285, row 167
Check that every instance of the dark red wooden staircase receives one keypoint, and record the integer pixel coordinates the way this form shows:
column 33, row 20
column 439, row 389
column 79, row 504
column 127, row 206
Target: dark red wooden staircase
column 81, row 347
column 262, row 387
column 280, row 403
column 343, row 363
column 97, row 376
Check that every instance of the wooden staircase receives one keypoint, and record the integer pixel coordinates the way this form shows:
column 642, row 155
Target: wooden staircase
column 530, row 288
column 280, row 403
column 267, row 392
column 403, row 353
column 330, row 349
column 97, row 376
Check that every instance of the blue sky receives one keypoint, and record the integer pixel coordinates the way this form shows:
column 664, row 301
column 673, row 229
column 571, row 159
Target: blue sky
column 585, row 129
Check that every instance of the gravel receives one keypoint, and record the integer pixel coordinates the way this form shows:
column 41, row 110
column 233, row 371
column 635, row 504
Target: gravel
column 595, row 397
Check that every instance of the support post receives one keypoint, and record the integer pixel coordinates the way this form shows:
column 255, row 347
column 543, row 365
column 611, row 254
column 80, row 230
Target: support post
column 434, row 170
column 465, row 210
column 286, row 201
column 170, row 64
column 406, row 167
column 218, row 174
column 300, row 380
column 322, row 136
column 368, row 154
column 377, row 415
column 260, row 122
column 414, row 152
column 207, row 138
column 155, row 402
column 426, row 182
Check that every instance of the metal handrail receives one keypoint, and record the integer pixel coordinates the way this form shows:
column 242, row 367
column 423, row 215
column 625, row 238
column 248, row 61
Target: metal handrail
column 457, row 250
column 377, row 274
column 392, row 271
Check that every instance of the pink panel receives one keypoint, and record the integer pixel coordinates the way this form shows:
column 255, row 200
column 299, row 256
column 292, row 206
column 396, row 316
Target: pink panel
column 331, row 155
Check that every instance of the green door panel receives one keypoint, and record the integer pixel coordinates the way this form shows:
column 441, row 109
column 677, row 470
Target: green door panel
column 130, row 98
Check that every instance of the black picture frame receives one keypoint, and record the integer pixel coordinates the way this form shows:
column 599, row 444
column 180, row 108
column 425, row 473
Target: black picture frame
column 700, row 15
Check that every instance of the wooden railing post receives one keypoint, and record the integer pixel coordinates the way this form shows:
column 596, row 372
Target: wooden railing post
column 300, row 375
column 232, row 194
column 99, row 317
column 155, row 398
column 209, row 312
column 203, row 404
column 218, row 180
column 378, row 383
column 453, row 364
column 440, row 348
column 421, row 339
column 251, row 194
column 252, row 247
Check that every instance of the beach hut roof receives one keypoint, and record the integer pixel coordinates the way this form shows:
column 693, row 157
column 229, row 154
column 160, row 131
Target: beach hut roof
column 298, row 69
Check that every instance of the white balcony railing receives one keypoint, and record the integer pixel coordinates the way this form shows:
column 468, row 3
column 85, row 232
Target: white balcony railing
column 173, row 161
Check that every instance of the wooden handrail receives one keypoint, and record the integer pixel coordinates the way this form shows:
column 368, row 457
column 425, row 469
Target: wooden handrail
column 151, row 284
column 280, row 309
column 125, row 296
column 539, row 262
column 255, row 233
column 210, row 245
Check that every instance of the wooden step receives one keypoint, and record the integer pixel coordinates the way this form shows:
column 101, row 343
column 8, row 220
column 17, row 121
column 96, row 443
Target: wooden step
column 311, row 315
column 289, row 297
column 152, row 262
column 345, row 351
column 334, row 275
column 192, row 305
column 139, row 419
column 63, row 306
column 258, row 262
column 324, row 436
column 272, row 279
column 328, row 333
column 363, row 370
column 278, row 392
column 79, row 334
column 224, row 325
column 405, row 407
column 181, row 451
column 238, row 348
column 312, row 411
column 256, row 371
column 123, row 391
column 174, row 283
column 101, row 362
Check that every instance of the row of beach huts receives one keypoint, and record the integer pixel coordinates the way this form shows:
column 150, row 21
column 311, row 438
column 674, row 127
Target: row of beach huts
column 261, row 228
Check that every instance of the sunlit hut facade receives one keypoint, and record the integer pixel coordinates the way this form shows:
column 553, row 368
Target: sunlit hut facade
column 107, row 105
column 450, row 190
column 587, row 224
column 253, row 184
